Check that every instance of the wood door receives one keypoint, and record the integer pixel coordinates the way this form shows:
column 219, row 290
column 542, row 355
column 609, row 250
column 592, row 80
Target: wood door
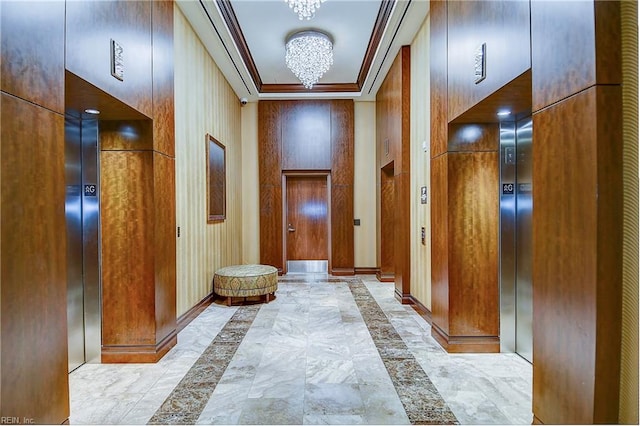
column 307, row 218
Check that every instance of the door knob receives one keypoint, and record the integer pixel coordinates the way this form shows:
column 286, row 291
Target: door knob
column 291, row 228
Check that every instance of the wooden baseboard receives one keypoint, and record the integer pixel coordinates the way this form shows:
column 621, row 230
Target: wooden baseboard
column 385, row 277
column 422, row 310
column 342, row 271
column 465, row 344
column 139, row 353
column 405, row 299
column 192, row 313
column 366, row 271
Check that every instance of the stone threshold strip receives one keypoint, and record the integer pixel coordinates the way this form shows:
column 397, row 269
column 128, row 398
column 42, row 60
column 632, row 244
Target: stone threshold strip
column 186, row 402
column 420, row 398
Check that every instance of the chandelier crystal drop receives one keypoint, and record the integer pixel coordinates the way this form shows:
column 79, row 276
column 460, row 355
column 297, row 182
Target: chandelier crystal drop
column 304, row 8
column 309, row 54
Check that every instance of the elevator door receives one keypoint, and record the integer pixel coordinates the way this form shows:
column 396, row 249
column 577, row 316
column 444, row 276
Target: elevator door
column 516, row 208
column 524, row 243
column 82, row 218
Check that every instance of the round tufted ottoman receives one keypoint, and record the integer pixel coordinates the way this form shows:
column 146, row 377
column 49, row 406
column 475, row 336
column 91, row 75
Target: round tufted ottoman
column 245, row 281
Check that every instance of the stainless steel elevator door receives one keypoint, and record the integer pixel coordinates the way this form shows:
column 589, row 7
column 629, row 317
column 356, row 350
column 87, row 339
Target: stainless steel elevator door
column 516, row 208
column 82, row 218
column 73, row 213
column 524, row 242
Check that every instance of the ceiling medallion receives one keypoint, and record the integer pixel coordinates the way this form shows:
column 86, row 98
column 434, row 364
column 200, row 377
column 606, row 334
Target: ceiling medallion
column 304, row 8
column 309, row 54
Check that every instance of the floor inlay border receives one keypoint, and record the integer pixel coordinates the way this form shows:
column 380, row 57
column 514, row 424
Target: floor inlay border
column 420, row 398
column 187, row 400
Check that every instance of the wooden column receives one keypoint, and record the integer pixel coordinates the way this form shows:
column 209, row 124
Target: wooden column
column 33, row 280
column 577, row 218
column 465, row 165
column 138, row 218
column 393, row 148
column 342, row 166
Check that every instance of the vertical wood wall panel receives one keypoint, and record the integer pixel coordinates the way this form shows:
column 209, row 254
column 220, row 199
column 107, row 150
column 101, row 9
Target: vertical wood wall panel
column 440, row 242
column 34, row 279
column 342, row 175
column 577, row 383
column 90, row 26
column 162, row 68
column 438, row 76
column 393, row 104
column 306, row 135
column 342, row 144
column 562, row 69
column 578, row 99
column 473, row 244
column 164, row 200
column 270, row 179
column 342, row 229
column 204, row 103
column 387, row 224
column 32, row 66
column 505, row 28
column 127, row 248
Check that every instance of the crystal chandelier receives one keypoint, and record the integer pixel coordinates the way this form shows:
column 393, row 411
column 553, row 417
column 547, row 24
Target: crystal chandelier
column 304, row 8
column 309, row 54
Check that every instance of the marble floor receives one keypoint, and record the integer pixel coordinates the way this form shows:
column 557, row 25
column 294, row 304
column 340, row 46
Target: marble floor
column 327, row 350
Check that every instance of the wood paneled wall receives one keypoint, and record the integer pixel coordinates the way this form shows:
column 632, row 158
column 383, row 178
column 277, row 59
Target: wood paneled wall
column 577, row 228
column 464, row 232
column 204, row 104
column 306, row 136
column 504, row 27
column 137, row 176
column 465, row 163
column 33, row 280
column 393, row 103
column 576, row 103
column 91, row 25
column 34, row 383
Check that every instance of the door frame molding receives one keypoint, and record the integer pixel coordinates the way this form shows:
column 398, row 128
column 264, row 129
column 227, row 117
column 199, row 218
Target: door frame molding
column 304, row 173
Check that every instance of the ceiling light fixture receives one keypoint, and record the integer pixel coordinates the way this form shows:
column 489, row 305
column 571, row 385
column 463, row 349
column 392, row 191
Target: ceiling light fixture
column 304, row 8
column 309, row 54
column 92, row 111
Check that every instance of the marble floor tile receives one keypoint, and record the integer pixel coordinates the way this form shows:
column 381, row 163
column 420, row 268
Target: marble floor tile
column 327, row 350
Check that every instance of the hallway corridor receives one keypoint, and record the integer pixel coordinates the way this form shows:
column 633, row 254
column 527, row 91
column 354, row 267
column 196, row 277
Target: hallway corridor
column 327, row 350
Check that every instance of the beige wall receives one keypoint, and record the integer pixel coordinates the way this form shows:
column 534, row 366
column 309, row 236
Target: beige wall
column 250, row 185
column 364, row 185
column 629, row 352
column 420, row 167
column 204, row 103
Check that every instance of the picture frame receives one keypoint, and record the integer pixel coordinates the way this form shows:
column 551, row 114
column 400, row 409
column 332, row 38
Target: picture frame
column 216, row 180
